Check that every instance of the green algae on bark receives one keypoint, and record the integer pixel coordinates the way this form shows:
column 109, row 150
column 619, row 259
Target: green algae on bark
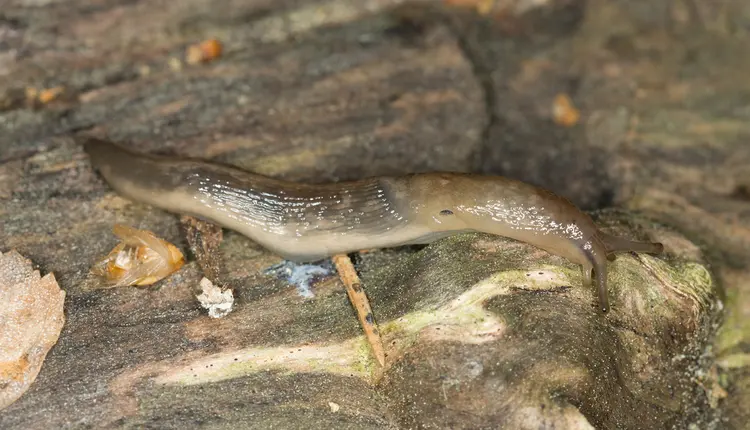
column 550, row 356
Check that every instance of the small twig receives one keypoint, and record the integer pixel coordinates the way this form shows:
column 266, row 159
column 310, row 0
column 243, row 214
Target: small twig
column 357, row 296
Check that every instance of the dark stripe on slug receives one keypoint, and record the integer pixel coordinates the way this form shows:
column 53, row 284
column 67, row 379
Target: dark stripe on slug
column 361, row 205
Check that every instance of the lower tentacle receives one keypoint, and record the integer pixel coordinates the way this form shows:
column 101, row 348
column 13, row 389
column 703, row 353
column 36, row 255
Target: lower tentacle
column 596, row 255
column 600, row 276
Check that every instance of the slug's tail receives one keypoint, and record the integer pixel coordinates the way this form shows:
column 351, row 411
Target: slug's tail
column 141, row 177
column 103, row 153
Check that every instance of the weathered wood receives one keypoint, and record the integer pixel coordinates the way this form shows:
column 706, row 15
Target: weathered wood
column 321, row 91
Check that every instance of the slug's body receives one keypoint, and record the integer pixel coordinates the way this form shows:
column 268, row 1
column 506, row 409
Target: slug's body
column 303, row 222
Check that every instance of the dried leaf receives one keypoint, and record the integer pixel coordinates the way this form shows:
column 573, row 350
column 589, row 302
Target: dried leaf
column 203, row 52
column 31, row 318
column 37, row 98
column 140, row 258
column 563, row 111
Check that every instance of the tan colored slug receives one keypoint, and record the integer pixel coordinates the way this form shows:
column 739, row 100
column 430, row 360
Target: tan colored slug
column 303, row 222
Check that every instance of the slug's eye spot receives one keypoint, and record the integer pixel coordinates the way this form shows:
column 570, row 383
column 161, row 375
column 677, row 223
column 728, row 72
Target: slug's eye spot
column 446, row 212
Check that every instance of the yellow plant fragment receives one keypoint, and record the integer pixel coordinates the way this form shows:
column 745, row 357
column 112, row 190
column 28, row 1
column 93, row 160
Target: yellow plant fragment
column 140, row 258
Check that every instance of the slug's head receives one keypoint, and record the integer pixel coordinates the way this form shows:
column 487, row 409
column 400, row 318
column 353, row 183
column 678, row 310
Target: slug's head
column 600, row 249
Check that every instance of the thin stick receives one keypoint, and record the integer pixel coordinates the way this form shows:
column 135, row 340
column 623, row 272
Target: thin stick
column 357, row 296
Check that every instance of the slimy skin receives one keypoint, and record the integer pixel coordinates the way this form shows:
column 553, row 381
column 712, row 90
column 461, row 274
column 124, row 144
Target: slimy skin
column 305, row 222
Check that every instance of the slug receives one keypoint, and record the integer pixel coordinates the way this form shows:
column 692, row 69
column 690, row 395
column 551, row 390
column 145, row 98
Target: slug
column 307, row 222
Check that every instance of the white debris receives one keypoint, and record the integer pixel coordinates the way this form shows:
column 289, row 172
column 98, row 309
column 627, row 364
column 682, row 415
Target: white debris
column 334, row 407
column 219, row 303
